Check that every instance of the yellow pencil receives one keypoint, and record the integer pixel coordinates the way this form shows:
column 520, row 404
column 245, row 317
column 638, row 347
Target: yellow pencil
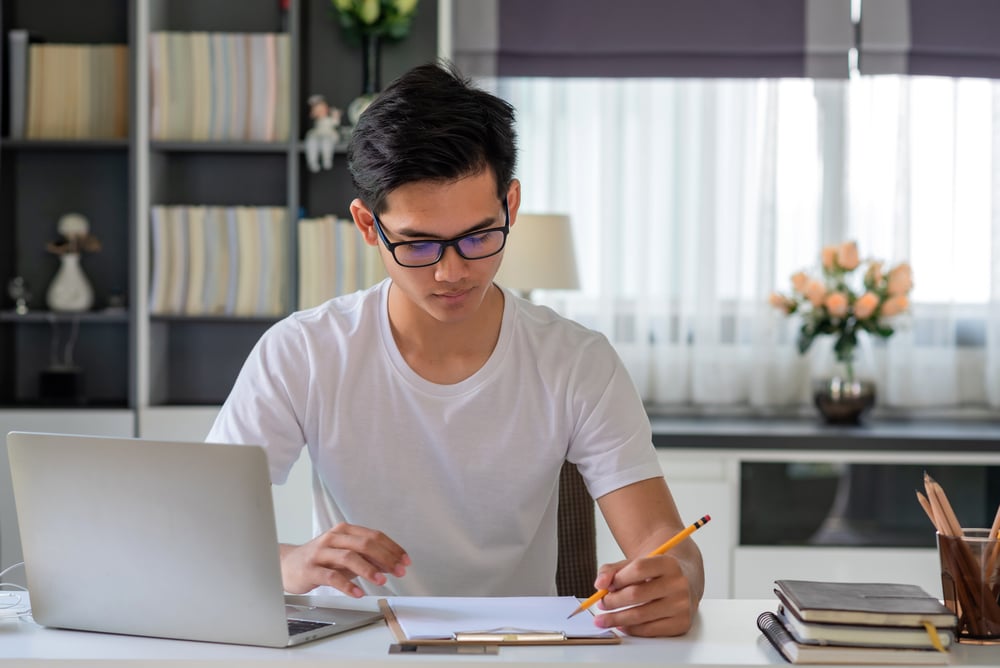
column 601, row 593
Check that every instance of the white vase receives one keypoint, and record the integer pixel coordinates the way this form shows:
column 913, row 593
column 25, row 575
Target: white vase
column 70, row 290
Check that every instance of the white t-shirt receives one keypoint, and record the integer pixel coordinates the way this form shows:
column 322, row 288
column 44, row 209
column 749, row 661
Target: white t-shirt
column 464, row 477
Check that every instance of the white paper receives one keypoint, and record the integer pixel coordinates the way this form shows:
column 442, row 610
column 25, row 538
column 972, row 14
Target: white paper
column 427, row 617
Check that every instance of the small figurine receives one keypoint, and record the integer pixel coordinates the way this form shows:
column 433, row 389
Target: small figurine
column 321, row 140
column 18, row 290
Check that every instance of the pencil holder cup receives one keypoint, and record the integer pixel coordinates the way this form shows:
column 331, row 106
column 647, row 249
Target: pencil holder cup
column 969, row 584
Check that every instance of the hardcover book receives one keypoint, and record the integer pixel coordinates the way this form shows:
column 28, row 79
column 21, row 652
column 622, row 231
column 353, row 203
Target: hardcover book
column 875, row 603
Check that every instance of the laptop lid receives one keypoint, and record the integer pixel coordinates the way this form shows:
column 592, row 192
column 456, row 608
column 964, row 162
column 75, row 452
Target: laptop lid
column 153, row 538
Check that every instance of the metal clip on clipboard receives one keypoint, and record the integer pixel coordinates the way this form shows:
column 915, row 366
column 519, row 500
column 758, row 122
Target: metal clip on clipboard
column 508, row 635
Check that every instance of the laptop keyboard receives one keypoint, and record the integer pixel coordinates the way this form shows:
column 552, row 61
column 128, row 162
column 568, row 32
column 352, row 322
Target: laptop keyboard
column 297, row 626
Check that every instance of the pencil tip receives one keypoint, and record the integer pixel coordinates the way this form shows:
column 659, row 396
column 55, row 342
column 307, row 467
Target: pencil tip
column 573, row 614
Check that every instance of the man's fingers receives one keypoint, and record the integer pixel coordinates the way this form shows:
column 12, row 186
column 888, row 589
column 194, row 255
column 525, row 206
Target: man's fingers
column 374, row 546
column 338, row 581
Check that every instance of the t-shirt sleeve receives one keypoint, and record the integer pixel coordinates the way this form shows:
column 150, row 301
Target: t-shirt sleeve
column 267, row 403
column 612, row 443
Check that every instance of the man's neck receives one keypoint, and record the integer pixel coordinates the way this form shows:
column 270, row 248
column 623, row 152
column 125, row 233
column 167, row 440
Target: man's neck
column 446, row 352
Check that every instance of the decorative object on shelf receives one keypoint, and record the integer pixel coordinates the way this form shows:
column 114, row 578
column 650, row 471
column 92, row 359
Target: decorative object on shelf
column 836, row 303
column 62, row 381
column 70, row 290
column 369, row 23
column 17, row 289
column 322, row 138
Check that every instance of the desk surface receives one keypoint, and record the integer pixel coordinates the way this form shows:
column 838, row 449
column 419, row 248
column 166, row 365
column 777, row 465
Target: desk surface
column 725, row 634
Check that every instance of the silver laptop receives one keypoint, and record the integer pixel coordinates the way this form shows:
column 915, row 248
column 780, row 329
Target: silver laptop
column 157, row 538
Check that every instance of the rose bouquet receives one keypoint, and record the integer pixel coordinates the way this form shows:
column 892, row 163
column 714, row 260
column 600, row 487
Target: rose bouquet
column 840, row 304
column 384, row 18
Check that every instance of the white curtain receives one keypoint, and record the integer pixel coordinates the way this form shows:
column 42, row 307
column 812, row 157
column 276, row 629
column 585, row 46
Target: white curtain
column 692, row 200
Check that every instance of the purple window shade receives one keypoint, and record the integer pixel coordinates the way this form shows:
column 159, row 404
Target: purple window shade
column 653, row 38
column 642, row 38
column 955, row 38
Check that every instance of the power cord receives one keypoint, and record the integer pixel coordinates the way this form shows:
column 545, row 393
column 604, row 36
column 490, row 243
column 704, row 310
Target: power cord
column 12, row 604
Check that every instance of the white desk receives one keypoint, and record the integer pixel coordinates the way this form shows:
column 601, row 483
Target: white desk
column 725, row 634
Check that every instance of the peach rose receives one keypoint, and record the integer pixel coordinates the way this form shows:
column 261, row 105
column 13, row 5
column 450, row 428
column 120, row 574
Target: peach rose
column 815, row 292
column 799, row 282
column 829, row 257
column 900, row 280
column 836, row 304
column 873, row 276
column 895, row 305
column 865, row 306
column 847, row 256
column 781, row 302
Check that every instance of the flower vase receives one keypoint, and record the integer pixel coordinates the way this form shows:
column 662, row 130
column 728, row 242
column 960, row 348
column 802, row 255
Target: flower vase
column 844, row 395
column 371, row 77
column 70, row 290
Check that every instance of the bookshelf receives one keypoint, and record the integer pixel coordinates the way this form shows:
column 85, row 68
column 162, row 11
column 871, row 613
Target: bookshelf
column 138, row 358
column 192, row 359
column 44, row 177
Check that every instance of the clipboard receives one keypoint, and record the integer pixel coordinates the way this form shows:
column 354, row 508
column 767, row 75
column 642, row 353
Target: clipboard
column 493, row 637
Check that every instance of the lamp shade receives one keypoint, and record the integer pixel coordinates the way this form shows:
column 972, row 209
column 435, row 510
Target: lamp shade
column 539, row 254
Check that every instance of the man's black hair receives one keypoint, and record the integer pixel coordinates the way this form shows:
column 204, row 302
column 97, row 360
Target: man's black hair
column 431, row 124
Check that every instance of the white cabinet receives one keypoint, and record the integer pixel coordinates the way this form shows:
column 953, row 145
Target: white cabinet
column 756, row 568
column 700, row 486
column 707, row 480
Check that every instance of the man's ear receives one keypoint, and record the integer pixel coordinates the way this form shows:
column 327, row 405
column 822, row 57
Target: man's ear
column 364, row 221
column 513, row 200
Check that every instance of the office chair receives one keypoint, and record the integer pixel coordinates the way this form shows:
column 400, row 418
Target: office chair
column 576, row 565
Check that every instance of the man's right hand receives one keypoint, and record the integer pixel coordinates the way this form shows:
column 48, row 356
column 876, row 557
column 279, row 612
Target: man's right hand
column 338, row 556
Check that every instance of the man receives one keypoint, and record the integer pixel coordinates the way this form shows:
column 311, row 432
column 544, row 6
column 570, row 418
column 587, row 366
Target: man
column 438, row 408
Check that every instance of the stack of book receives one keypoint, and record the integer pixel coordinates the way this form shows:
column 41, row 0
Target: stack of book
column 334, row 260
column 219, row 86
column 858, row 622
column 215, row 260
column 66, row 91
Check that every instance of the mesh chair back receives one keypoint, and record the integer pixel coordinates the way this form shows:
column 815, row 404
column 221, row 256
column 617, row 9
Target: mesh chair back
column 576, row 566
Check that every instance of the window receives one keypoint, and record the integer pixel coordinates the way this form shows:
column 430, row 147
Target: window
column 692, row 200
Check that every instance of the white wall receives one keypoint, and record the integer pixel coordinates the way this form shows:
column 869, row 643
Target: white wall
column 91, row 421
column 292, row 501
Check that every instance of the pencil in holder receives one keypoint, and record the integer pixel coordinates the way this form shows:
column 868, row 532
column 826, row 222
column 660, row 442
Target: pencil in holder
column 970, row 585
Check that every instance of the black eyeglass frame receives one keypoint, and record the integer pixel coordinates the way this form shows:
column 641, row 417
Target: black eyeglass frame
column 442, row 244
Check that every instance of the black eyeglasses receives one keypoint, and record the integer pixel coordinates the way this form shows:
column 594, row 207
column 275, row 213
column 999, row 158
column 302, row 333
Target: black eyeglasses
column 472, row 246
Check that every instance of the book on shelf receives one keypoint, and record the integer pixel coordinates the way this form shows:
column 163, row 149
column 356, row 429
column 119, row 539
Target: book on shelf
column 160, row 255
column 197, row 260
column 815, row 633
column 177, row 269
column 797, row 652
column 874, row 603
column 18, row 75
